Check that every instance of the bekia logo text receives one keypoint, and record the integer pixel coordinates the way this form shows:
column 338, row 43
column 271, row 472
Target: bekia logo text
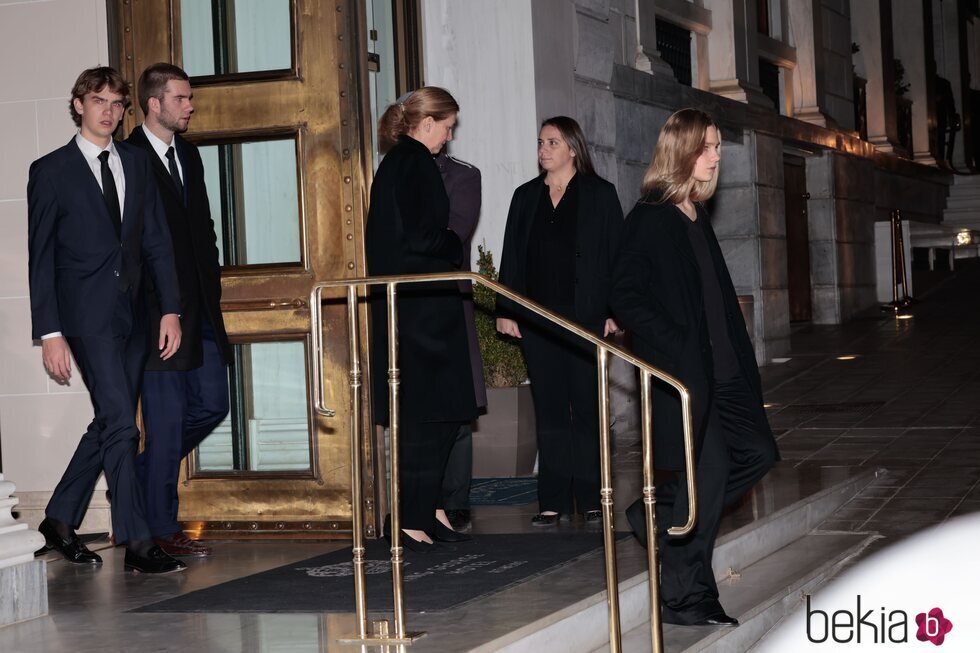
column 874, row 625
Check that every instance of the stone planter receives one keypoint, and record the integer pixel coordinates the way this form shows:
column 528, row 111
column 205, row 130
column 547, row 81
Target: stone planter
column 504, row 440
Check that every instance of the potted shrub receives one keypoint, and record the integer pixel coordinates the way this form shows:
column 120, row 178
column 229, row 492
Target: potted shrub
column 504, row 441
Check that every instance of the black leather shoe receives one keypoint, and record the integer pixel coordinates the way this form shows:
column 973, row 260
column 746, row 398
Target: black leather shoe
column 442, row 534
column 71, row 547
column 719, row 619
column 154, row 562
column 460, row 520
column 545, row 520
column 593, row 518
column 407, row 541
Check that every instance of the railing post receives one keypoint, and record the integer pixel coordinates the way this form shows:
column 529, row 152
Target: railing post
column 356, row 458
column 394, row 381
column 650, row 510
column 606, row 492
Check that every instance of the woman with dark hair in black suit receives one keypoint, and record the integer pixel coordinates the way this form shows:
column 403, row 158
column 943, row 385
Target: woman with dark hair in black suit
column 408, row 233
column 563, row 232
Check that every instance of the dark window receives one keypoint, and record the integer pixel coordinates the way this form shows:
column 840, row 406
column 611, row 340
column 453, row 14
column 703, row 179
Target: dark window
column 762, row 16
column 769, row 81
column 674, row 43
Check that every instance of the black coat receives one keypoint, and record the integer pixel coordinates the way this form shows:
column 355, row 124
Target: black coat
column 656, row 295
column 408, row 233
column 195, row 256
column 598, row 232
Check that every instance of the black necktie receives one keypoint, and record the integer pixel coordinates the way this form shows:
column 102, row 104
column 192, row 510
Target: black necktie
column 109, row 192
column 174, row 173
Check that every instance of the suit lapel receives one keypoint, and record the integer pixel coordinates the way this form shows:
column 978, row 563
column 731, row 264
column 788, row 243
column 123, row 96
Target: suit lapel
column 530, row 214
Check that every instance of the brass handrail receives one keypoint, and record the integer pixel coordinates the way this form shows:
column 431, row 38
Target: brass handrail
column 603, row 349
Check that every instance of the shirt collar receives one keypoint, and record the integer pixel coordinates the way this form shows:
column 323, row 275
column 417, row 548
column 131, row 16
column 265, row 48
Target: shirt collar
column 92, row 151
column 158, row 145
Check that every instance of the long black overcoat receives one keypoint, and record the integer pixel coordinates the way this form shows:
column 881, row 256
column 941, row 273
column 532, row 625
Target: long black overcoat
column 407, row 233
column 656, row 295
column 195, row 256
column 598, row 232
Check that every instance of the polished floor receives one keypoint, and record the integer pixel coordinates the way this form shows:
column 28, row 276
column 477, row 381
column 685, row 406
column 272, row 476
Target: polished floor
column 902, row 395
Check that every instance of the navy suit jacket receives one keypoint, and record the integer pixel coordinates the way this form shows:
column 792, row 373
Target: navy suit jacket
column 78, row 265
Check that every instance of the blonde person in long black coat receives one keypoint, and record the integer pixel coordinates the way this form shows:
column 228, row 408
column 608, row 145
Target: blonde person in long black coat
column 673, row 292
column 563, row 232
column 408, row 233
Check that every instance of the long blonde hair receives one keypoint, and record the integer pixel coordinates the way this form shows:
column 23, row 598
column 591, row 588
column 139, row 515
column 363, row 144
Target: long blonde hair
column 680, row 144
column 405, row 114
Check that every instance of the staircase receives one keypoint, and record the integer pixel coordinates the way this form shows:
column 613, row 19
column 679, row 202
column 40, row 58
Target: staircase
column 764, row 567
column 963, row 204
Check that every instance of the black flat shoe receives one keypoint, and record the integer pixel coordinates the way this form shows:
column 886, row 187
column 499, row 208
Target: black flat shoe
column 70, row 547
column 154, row 562
column 593, row 518
column 442, row 534
column 460, row 520
column 407, row 541
column 545, row 520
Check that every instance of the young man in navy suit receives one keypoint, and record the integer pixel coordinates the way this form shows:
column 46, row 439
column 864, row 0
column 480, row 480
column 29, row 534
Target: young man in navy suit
column 184, row 397
column 94, row 219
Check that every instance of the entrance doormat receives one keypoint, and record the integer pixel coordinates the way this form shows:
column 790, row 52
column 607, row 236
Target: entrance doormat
column 445, row 578
column 503, row 491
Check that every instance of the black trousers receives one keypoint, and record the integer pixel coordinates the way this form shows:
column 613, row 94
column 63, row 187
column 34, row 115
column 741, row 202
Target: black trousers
column 459, row 471
column 112, row 368
column 424, row 449
column 564, row 384
column 736, row 453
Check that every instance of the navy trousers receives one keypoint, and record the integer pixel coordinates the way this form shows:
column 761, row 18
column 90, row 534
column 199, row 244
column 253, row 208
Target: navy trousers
column 180, row 409
column 112, row 367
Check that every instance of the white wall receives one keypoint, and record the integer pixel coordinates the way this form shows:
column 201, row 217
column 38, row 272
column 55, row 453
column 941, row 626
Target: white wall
column 482, row 53
column 44, row 45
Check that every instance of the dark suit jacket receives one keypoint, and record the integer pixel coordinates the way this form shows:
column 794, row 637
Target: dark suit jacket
column 656, row 295
column 78, row 266
column 407, row 233
column 195, row 255
column 598, row 234
column 464, row 188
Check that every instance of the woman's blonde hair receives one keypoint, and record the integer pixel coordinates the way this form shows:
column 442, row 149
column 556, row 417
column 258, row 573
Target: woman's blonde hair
column 680, row 144
column 411, row 109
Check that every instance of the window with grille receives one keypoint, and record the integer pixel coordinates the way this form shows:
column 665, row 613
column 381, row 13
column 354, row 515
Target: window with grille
column 674, row 44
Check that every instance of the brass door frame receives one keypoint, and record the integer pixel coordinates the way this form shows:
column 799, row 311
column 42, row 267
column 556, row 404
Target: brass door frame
column 324, row 100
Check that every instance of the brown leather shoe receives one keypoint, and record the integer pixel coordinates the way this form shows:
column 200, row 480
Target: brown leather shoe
column 179, row 545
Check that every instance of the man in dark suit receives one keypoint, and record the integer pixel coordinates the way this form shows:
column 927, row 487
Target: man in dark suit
column 186, row 396
column 463, row 186
column 94, row 217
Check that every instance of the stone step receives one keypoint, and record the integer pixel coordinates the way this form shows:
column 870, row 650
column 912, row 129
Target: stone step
column 582, row 625
column 761, row 595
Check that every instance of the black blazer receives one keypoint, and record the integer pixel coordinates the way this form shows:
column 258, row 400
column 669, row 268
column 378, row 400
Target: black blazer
column 656, row 295
column 408, row 232
column 77, row 263
column 195, row 255
column 598, row 234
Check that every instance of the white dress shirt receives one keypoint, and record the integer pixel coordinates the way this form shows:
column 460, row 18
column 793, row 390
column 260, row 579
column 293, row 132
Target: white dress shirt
column 161, row 149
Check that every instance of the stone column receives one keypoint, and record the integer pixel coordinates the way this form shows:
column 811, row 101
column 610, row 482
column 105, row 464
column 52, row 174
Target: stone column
column 732, row 51
column 647, row 55
column 806, row 35
column 911, row 32
column 870, row 29
column 23, row 579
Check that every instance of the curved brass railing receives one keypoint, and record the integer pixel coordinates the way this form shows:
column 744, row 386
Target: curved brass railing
column 603, row 349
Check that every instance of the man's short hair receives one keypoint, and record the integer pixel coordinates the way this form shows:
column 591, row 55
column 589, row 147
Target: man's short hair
column 153, row 82
column 93, row 80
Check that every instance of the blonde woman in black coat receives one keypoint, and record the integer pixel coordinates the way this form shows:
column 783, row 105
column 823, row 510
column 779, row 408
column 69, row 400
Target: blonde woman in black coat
column 673, row 292
column 563, row 231
column 408, row 233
